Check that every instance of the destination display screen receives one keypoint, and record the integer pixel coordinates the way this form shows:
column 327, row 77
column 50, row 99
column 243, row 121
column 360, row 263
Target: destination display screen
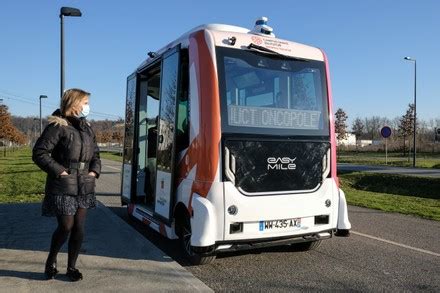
column 273, row 118
column 268, row 94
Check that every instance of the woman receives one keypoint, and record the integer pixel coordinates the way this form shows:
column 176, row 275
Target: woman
column 68, row 153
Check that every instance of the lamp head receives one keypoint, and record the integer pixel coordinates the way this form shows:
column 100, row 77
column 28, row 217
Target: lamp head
column 43, row 97
column 70, row 11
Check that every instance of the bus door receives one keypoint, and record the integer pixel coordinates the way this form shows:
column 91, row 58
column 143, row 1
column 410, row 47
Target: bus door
column 142, row 124
column 147, row 117
column 128, row 159
column 153, row 95
column 166, row 138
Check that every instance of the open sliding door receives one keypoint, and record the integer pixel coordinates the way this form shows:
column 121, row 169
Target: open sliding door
column 128, row 160
column 166, row 134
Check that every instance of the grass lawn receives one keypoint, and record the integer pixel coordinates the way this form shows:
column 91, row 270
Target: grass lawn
column 393, row 193
column 394, row 159
column 111, row 156
column 20, row 179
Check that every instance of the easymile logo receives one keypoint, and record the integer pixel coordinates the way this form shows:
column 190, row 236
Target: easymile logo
column 284, row 163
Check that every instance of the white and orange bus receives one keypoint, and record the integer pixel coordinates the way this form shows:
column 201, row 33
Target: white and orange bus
column 230, row 143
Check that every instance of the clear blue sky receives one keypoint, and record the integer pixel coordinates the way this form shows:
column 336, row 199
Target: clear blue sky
column 364, row 40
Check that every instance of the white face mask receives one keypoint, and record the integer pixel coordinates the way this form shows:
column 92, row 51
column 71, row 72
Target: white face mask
column 84, row 112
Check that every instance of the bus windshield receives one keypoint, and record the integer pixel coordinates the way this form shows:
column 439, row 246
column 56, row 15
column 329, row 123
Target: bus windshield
column 267, row 94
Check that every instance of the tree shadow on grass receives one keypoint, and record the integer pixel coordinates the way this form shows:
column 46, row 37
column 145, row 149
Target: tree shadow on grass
column 18, row 172
column 398, row 185
column 20, row 158
column 20, row 164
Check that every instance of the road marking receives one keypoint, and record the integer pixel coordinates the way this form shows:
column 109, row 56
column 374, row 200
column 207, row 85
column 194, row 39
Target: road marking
column 395, row 243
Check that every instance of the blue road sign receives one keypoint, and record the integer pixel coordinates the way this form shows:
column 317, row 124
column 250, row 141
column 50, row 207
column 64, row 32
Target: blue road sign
column 385, row 131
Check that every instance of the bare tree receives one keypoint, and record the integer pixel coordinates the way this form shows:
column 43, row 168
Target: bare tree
column 372, row 126
column 358, row 128
column 118, row 136
column 384, row 121
column 106, row 136
column 8, row 132
column 394, row 124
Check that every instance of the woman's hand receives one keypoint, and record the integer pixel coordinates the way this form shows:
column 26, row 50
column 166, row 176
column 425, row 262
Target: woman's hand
column 64, row 173
column 92, row 174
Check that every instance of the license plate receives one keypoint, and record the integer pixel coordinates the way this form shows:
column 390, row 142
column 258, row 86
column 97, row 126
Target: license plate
column 280, row 224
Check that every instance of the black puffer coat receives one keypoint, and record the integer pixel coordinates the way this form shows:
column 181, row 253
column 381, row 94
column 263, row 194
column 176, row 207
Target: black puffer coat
column 64, row 143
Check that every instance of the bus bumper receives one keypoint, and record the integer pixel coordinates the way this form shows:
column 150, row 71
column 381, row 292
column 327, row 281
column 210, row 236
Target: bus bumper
column 203, row 222
column 344, row 225
column 249, row 244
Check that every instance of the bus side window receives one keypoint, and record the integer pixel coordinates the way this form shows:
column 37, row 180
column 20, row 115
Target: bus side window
column 182, row 134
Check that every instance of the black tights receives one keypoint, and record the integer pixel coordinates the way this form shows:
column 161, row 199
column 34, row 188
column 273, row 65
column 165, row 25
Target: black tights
column 68, row 224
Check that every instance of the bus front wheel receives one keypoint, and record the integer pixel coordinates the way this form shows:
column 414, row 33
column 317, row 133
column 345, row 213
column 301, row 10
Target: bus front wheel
column 194, row 257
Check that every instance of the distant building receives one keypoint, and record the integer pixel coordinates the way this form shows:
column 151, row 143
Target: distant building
column 350, row 139
column 364, row 142
column 6, row 143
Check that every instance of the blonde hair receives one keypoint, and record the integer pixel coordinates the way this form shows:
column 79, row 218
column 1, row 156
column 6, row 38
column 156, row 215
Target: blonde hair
column 71, row 100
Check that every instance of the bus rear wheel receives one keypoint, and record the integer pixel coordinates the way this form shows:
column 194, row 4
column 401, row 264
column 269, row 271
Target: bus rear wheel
column 194, row 257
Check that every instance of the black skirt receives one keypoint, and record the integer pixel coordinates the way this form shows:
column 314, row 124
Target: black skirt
column 58, row 205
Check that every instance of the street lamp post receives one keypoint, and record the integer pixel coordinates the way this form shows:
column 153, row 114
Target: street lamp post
column 65, row 11
column 415, row 106
column 41, row 121
column 4, row 147
column 34, row 132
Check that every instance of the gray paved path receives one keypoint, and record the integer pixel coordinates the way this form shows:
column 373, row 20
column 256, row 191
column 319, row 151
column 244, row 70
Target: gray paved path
column 114, row 256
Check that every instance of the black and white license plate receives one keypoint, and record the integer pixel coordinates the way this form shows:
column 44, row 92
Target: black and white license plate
column 285, row 224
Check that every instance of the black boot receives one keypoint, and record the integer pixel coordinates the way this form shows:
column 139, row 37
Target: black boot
column 50, row 271
column 73, row 274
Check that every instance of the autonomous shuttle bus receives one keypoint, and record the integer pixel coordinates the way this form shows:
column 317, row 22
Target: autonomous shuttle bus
column 230, row 144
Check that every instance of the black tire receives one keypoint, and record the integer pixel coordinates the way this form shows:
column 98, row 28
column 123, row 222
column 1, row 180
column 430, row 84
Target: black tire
column 306, row 246
column 185, row 244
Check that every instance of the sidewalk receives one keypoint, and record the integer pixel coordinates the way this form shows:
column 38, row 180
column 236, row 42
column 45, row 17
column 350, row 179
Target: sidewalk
column 114, row 256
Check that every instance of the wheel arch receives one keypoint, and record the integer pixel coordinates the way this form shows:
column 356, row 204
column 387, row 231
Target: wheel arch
column 180, row 213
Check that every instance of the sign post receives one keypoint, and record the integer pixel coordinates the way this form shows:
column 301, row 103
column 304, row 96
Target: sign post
column 386, row 132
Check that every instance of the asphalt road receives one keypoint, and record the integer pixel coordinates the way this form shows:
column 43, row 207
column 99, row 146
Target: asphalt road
column 386, row 252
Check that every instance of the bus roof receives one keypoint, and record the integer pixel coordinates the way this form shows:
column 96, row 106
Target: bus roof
column 222, row 32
